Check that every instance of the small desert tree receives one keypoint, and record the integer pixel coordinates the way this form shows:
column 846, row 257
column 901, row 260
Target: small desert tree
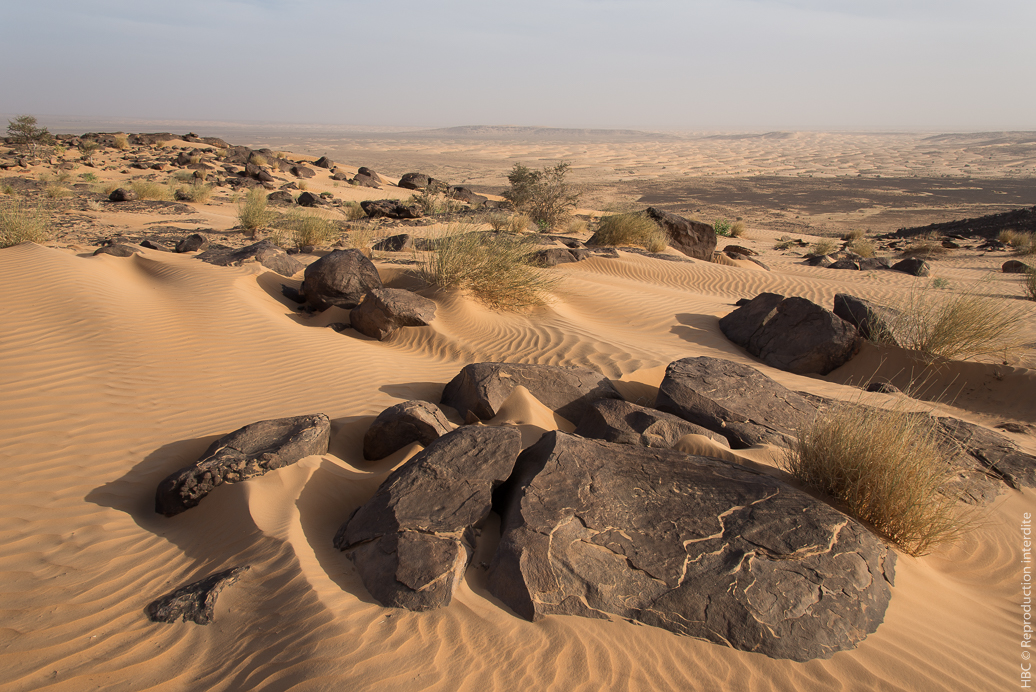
column 544, row 195
column 24, row 134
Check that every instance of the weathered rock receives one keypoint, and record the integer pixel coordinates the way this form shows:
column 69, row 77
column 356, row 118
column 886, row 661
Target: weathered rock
column 280, row 197
column 734, row 400
column 872, row 321
column 873, row 263
column 245, row 453
column 257, row 173
column 822, row 261
column 396, row 243
column 553, row 256
column 402, row 424
column 340, row 278
column 365, row 181
column 882, row 387
column 300, row 171
column 914, row 266
column 994, row 452
column 739, row 250
column 339, row 174
column 390, row 208
column 480, row 388
column 697, row 546
column 845, row 263
column 466, row 195
column 155, row 245
column 1015, row 267
column 117, row 250
column 624, row 423
column 263, row 252
column 792, row 334
column 196, row 601
column 122, row 194
column 414, row 181
column 692, row 238
column 412, row 541
column 384, row 310
column 324, row 162
column 308, row 199
column 193, row 243
column 370, row 173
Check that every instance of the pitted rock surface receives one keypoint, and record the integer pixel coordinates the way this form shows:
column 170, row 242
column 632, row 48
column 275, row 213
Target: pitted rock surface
column 245, row 453
column 412, row 541
column 693, row 545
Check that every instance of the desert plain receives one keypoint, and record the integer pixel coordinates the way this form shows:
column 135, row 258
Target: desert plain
column 118, row 370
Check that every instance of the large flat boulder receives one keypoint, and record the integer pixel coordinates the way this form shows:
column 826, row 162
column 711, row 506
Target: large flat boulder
column 734, row 400
column 413, row 540
column 480, row 388
column 264, row 252
column 390, row 209
column 340, row 278
column 998, row 456
column 245, row 453
column 693, row 545
column 792, row 334
column 624, row 423
column 692, row 238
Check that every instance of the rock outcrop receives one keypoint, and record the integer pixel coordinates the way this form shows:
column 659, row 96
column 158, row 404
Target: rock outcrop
column 624, row 423
column 196, row 601
column 913, row 266
column 341, row 278
column 692, row 238
column 264, row 252
column 872, row 321
column 390, row 209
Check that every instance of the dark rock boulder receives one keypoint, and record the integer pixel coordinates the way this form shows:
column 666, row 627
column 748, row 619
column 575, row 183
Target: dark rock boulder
column 155, row 245
column 122, row 194
column 195, row 242
column 257, row 173
column 402, row 424
column 365, row 181
column 117, row 250
column 882, row 387
column 245, row 453
column 308, row 199
column 734, row 400
column 873, row 263
column 553, row 256
column 692, row 238
column 845, row 263
column 913, row 266
column 1015, row 267
column 464, row 194
column 340, row 175
column 280, row 197
column 370, row 173
column 390, row 208
column 395, row 243
column 696, row 546
column 480, row 388
column 872, row 321
column 384, row 310
column 300, row 171
column 621, row 422
column 792, row 334
column 822, row 261
column 324, row 162
column 739, row 250
column 263, row 252
column 412, row 541
column 341, row 278
column 196, row 601
column 1000, row 457
column 414, row 181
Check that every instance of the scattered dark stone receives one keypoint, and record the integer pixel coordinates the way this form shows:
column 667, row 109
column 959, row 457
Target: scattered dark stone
column 882, row 388
column 324, row 162
column 245, row 453
column 734, row 400
column 950, row 245
column 300, row 171
column 341, row 278
column 280, row 197
column 692, row 238
column 551, row 257
column 822, row 261
column 122, row 194
column 739, row 250
column 792, row 334
column 196, row 601
column 365, row 181
column 984, row 226
column 873, row 263
column 412, row 541
column 391, row 209
column 117, row 250
column 696, row 546
column 464, row 194
column 193, row 243
column 621, row 422
column 339, row 174
column 480, row 388
column 308, row 199
column 871, row 320
column 154, row 245
column 1016, row 267
column 844, row 264
column 384, row 310
column 414, row 181
column 402, row 424
column 257, row 173
column 913, row 266
column 396, row 243
column 264, row 252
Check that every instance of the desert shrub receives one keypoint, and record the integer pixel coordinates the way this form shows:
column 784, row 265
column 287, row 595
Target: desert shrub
column 956, row 328
column 889, row 469
column 7, row 190
column 432, row 203
column 55, row 190
column 1029, row 283
column 194, row 192
column 23, row 133
column 20, row 223
column 575, row 227
column 62, row 176
column 106, row 188
column 1014, row 238
column 353, row 211
column 824, row 246
column 852, row 235
column 737, row 229
column 307, row 228
column 88, row 177
column 498, row 222
column 149, row 189
column 631, row 229
column 923, row 249
column 252, row 212
column 121, row 142
column 546, row 196
column 492, row 267
column 862, row 247
column 302, row 185
column 1025, row 244
column 722, row 226
column 257, row 159
column 519, row 223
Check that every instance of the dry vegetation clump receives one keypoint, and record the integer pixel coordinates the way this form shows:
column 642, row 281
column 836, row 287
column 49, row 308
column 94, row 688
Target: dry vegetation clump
column 121, row 142
column 923, row 249
column 194, row 192
column 1014, row 238
column 889, row 469
column 737, row 229
column 631, row 229
column 257, row 159
column 307, row 229
column 1029, row 283
column 492, row 267
column 862, row 247
column 546, row 196
column 149, row 189
column 854, row 234
column 824, row 246
column 21, row 223
column 252, row 212
column 432, row 203
column 353, row 211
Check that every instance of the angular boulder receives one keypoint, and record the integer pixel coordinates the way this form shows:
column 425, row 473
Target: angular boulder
column 117, row 250
column 480, row 388
column 553, row 256
column 414, row 181
column 871, row 320
column 390, row 209
column 384, row 310
column 734, row 400
column 693, row 545
column 914, row 266
column 413, row 540
column 792, row 334
column 621, row 422
column 464, row 194
column 308, row 199
column 341, row 278
column 300, row 171
column 365, row 181
column 196, row 601
column 122, row 194
column 395, row 243
column 692, row 238
column 994, row 453
column 402, row 424
column 195, row 242
column 245, row 453
column 324, row 162
column 1015, row 267
column 264, row 252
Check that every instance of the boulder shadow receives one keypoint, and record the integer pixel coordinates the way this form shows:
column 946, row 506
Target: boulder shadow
column 702, row 330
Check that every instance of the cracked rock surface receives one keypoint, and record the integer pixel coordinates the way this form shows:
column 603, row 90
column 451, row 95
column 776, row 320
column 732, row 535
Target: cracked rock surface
column 412, row 541
column 696, row 546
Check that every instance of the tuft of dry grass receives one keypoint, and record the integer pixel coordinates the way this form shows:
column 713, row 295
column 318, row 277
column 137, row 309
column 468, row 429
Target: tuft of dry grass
column 353, row 211
column 307, row 229
column 824, row 246
column 862, row 247
column 252, row 212
column 575, row 227
column 493, row 268
column 121, row 142
column 737, row 229
column 1029, row 283
column 257, row 159
column 1014, row 238
column 923, row 249
column 22, row 223
column 148, row 189
column 194, row 192
column 854, row 234
column 631, row 229
column 889, row 469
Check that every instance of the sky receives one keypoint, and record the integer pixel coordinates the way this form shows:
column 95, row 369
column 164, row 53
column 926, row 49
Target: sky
column 689, row 65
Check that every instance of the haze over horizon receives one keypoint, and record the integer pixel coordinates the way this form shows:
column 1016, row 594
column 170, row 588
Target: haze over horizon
column 741, row 65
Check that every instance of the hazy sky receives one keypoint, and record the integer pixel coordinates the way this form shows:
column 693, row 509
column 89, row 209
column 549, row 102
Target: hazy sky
column 654, row 64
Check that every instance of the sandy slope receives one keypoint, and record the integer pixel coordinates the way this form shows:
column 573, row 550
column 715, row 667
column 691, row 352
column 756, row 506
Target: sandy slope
column 116, row 372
